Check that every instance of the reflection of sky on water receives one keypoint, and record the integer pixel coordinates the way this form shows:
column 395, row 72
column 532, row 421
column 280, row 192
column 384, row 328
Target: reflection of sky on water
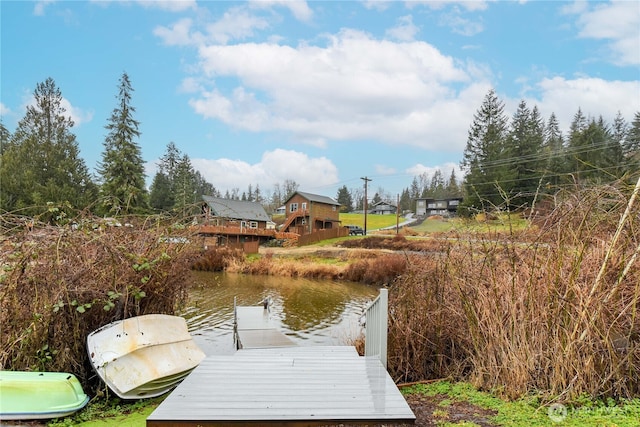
column 310, row 312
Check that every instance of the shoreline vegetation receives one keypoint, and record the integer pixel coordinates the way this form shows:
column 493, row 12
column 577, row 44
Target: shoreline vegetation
column 543, row 311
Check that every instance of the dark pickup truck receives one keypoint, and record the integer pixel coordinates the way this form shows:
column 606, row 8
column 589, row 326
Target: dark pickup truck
column 354, row 230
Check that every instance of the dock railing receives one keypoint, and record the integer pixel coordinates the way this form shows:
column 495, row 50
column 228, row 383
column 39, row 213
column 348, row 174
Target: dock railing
column 376, row 317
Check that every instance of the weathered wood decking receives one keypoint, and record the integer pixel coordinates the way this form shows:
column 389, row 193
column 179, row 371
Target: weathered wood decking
column 271, row 382
column 254, row 329
column 301, row 386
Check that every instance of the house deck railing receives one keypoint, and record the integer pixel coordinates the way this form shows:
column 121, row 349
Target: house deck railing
column 375, row 342
column 233, row 230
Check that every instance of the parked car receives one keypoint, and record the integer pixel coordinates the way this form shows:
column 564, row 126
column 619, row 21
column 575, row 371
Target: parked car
column 355, row 230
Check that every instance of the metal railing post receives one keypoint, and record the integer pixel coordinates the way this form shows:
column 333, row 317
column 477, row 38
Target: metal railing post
column 376, row 316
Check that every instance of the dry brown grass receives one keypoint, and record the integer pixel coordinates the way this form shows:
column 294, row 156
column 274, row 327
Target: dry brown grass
column 58, row 284
column 556, row 314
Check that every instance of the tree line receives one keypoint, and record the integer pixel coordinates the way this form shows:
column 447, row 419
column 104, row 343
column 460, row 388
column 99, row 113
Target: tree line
column 511, row 164
column 506, row 164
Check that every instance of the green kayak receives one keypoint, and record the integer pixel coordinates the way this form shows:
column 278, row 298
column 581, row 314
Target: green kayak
column 39, row 395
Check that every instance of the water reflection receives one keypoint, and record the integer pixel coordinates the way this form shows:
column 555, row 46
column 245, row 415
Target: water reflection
column 310, row 312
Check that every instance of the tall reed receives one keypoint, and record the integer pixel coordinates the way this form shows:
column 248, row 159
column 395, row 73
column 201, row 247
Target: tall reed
column 556, row 314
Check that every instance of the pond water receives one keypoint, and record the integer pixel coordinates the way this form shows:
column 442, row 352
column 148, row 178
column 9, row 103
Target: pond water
column 308, row 311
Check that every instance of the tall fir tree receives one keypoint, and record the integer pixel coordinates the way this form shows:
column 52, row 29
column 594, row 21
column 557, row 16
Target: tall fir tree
column 483, row 156
column 631, row 147
column 522, row 155
column 42, row 164
column 122, row 168
column 554, row 154
column 452, row 189
column 595, row 156
column 436, row 187
column 344, row 198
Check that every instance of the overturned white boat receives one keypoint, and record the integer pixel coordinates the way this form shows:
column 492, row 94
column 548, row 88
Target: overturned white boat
column 143, row 356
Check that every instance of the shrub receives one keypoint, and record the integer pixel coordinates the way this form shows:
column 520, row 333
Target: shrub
column 557, row 313
column 58, row 284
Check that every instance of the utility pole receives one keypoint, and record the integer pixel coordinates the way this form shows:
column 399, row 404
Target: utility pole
column 366, row 181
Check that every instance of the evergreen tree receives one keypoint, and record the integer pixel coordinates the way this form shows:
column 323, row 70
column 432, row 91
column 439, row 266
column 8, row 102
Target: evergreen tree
column 524, row 145
column 177, row 185
column 406, row 203
column 594, row 155
column 122, row 167
column 452, row 189
column 554, row 153
column 436, row 187
column 184, row 187
column 41, row 164
column 344, row 198
column 483, row 156
column 161, row 192
column 631, row 147
column 414, row 191
column 5, row 138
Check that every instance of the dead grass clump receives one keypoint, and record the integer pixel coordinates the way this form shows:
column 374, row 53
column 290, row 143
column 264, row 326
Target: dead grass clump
column 218, row 259
column 58, row 284
column 287, row 267
column 436, row 243
column 557, row 315
column 383, row 269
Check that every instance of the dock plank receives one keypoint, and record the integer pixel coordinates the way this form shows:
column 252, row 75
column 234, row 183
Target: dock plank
column 278, row 386
column 255, row 329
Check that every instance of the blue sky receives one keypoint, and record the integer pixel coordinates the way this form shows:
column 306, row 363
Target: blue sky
column 320, row 92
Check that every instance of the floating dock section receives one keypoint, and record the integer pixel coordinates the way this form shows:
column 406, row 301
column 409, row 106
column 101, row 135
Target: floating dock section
column 270, row 381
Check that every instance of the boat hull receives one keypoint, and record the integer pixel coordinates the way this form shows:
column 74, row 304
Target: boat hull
column 144, row 356
column 39, row 395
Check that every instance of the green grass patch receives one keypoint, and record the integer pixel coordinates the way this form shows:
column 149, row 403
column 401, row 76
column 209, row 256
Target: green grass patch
column 111, row 413
column 504, row 223
column 374, row 222
column 530, row 411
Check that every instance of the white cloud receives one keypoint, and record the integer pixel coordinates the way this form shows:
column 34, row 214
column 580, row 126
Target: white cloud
column 592, row 95
column 179, row 34
column 274, row 168
column 169, row 5
column 356, row 87
column 78, row 115
column 4, row 110
column 419, row 169
column 384, row 170
column 460, row 25
column 236, row 24
column 470, row 5
column 299, row 8
column 40, row 6
column 406, row 30
column 379, row 5
column 617, row 22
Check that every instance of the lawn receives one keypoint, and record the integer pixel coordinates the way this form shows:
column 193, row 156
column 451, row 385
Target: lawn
column 374, row 222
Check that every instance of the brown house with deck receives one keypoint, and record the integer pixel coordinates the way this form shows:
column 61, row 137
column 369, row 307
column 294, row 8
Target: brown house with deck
column 312, row 214
column 235, row 223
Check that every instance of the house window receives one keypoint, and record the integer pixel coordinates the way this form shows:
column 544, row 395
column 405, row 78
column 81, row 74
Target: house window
column 454, row 202
column 293, row 207
column 333, row 208
column 243, row 224
column 304, row 206
column 253, row 224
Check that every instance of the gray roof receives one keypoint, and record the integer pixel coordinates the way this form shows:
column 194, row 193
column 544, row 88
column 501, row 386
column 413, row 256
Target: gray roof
column 236, row 209
column 316, row 198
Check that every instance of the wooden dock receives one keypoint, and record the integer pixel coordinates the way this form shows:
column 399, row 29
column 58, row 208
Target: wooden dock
column 254, row 329
column 299, row 386
column 270, row 381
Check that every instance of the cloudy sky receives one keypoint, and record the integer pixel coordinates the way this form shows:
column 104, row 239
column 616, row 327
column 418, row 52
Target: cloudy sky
column 319, row 92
